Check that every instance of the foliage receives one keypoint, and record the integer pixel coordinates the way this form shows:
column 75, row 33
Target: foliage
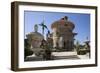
column 27, row 50
column 82, row 49
column 47, row 50
column 43, row 27
column 81, row 52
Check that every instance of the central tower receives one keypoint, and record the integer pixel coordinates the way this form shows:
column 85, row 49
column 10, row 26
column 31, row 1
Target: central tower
column 63, row 36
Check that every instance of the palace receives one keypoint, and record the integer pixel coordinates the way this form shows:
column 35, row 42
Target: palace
column 63, row 36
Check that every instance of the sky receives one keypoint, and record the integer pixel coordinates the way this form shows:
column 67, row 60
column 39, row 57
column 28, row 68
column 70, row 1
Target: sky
column 80, row 20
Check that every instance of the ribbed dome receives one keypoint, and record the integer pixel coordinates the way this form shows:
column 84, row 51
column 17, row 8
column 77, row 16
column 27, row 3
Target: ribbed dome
column 63, row 22
column 35, row 36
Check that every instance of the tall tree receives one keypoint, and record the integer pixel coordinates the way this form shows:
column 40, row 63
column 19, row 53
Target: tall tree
column 43, row 27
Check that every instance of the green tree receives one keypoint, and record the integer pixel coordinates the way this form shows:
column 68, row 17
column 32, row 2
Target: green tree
column 27, row 50
column 43, row 27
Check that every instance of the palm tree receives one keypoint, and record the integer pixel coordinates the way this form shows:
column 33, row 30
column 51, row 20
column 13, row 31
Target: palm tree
column 43, row 27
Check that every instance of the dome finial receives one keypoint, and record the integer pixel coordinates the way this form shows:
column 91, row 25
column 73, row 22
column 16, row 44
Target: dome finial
column 65, row 18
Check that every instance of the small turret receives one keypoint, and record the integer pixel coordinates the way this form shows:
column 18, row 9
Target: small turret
column 36, row 28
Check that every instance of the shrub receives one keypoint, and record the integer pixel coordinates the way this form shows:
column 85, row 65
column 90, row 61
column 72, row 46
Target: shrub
column 81, row 52
column 27, row 52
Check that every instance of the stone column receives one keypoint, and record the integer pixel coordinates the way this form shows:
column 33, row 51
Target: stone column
column 61, row 42
column 55, row 38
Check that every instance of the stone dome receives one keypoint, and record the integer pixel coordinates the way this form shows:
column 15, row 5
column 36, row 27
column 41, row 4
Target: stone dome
column 63, row 22
column 35, row 36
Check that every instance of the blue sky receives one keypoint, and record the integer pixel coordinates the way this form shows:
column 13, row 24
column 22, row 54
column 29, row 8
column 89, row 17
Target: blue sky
column 81, row 21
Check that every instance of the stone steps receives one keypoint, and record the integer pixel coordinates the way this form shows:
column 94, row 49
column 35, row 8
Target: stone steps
column 64, row 53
